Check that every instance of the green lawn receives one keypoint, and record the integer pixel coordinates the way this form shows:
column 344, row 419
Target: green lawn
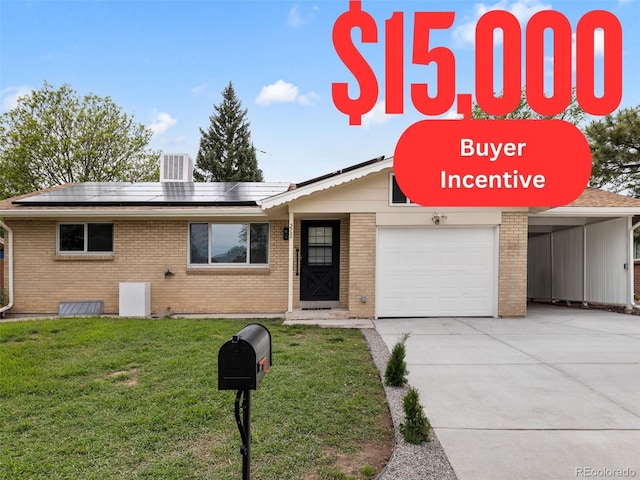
column 106, row 398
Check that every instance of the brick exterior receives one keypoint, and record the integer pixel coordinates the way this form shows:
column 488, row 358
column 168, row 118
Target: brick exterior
column 362, row 275
column 512, row 265
column 143, row 250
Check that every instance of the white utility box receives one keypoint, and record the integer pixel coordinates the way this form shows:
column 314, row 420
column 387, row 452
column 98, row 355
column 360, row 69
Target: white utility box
column 135, row 299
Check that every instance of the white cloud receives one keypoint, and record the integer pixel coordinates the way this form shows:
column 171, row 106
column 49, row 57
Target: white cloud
column 199, row 89
column 376, row 116
column 308, row 99
column 10, row 96
column 285, row 92
column 523, row 10
column 453, row 115
column 296, row 18
column 279, row 92
column 161, row 122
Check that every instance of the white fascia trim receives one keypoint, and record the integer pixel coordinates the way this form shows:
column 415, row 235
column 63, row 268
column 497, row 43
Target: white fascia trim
column 123, row 212
column 588, row 212
column 325, row 184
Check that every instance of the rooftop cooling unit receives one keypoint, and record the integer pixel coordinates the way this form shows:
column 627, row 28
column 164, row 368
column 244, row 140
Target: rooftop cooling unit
column 176, row 167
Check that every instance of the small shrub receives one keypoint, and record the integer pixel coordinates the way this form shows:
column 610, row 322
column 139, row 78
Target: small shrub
column 395, row 374
column 367, row 471
column 416, row 427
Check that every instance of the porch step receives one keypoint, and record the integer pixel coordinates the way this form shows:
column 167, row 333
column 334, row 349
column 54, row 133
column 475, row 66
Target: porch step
column 323, row 314
column 333, row 318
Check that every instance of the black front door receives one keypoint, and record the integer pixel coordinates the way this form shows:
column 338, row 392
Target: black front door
column 320, row 262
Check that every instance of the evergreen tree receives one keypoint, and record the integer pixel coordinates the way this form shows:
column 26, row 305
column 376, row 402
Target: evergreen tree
column 226, row 152
column 395, row 374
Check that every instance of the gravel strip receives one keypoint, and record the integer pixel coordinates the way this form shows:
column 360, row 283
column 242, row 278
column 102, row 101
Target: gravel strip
column 408, row 462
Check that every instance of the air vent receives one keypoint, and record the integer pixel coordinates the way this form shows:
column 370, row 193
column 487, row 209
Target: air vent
column 176, row 167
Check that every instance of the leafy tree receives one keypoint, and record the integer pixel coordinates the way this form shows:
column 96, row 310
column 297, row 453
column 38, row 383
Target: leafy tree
column 572, row 114
column 54, row 137
column 615, row 147
column 226, row 152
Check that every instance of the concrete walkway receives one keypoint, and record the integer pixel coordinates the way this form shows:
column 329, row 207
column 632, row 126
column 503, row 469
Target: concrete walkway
column 552, row 396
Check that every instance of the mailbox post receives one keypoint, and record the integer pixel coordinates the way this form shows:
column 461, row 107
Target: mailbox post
column 243, row 362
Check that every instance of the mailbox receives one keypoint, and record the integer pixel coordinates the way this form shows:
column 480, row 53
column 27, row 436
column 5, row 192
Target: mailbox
column 244, row 360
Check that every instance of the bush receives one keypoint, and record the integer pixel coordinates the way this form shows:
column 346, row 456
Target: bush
column 416, row 427
column 396, row 373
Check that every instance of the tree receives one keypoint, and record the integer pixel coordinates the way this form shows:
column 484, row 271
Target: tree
column 572, row 114
column 395, row 374
column 53, row 137
column 615, row 148
column 226, row 152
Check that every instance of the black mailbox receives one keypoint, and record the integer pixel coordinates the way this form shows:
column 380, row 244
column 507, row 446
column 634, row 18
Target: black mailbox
column 244, row 360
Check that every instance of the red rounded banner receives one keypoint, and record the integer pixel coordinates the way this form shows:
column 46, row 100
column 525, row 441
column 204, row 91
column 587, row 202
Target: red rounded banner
column 492, row 163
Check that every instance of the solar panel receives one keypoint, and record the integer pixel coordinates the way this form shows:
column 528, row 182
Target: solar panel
column 158, row 194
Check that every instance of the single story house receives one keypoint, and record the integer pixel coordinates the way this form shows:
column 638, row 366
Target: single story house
column 350, row 241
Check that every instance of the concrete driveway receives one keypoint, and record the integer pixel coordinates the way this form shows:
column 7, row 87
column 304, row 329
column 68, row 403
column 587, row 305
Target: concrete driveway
column 555, row 395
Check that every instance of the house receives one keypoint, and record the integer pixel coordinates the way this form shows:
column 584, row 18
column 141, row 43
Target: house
column 348, row 241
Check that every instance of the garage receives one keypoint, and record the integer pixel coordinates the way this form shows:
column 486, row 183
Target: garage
column 436, row 272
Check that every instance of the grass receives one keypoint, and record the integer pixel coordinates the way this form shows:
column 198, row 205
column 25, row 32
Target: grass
column 131, row 399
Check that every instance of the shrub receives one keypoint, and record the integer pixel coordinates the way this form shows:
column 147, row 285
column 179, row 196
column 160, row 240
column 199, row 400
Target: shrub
column 416, row 427
column 395, row 374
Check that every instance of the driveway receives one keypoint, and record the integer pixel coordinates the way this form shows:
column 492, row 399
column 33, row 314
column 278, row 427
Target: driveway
column 555, row 395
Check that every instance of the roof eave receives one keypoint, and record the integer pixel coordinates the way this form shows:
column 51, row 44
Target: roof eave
column 130, row 213
column 589, row 211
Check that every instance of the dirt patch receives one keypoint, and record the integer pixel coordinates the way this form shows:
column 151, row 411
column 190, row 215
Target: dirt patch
column 127, row 378
column 373, row 455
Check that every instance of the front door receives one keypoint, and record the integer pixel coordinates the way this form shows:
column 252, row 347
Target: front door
column 320, row 260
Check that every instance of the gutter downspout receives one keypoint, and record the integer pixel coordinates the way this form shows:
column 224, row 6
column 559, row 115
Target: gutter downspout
column 631, row 304
column 10, row 260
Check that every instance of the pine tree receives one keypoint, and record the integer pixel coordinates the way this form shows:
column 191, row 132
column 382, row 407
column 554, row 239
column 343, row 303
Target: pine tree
column 395, row 374
column 416, row 427
column 226, row 152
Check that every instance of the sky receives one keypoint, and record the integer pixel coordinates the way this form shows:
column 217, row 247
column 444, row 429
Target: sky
column 167, row 62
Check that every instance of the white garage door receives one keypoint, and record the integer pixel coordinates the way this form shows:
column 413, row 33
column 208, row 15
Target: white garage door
column 436, row 272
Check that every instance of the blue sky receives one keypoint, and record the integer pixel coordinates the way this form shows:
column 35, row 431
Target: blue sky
column 167, row 62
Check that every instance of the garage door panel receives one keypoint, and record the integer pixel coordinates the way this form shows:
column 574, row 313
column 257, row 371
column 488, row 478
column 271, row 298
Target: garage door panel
column 436, row 272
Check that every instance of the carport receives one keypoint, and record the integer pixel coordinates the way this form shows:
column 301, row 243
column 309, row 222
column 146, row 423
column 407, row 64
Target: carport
column 583, row 252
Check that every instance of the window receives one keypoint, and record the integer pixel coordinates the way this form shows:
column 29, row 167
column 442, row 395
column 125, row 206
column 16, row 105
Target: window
column 320, row 241
column 397, row 196
column 85, row 238
column 229, row 243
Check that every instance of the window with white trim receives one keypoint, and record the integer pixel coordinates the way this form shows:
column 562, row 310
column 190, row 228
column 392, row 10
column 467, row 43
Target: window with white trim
column 396, row 195
column 82, row 238
column 229, row 243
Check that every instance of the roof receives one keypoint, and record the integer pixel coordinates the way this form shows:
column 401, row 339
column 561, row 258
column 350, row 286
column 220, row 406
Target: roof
column 239, row 198
column 594, row 197
column 154, row 194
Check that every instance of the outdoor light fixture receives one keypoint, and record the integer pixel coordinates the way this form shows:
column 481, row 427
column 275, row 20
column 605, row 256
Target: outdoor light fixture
column 285, row 233
column 169, row 273
column 438, row 218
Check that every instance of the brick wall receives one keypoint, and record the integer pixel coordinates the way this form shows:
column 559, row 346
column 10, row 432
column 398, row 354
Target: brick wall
column 143, row 250
column 512, row 266
column 362, row 275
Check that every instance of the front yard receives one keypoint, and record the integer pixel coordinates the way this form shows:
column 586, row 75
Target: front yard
column 129, row 398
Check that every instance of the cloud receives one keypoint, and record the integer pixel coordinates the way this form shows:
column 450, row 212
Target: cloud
column 161, row 122
column 296, row 18
column 523, row 10
column 285, row 92
column 10, row 96
column 309, row 99
column 199, row 89
column 376, row 116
